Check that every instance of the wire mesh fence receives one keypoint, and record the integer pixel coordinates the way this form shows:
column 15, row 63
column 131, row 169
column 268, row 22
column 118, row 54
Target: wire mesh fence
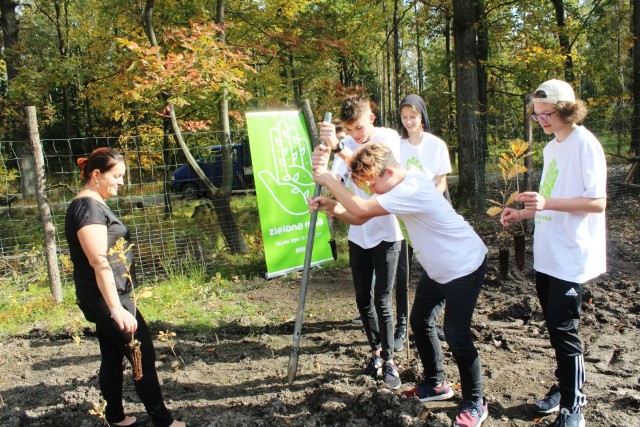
column 169, row 232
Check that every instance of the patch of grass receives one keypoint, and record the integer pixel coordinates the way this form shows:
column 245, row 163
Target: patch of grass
column 188, row 301
column 24, row 310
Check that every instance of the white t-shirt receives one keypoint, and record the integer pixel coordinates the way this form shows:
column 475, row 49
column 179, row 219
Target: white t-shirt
column 381, row 228
column 570, row 246
column 430, row 156
column 445, row 244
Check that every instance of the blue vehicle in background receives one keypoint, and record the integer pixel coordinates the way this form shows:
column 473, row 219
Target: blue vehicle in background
column 187, row 183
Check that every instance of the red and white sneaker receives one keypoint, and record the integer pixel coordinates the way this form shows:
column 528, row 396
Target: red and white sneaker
column 472, row 414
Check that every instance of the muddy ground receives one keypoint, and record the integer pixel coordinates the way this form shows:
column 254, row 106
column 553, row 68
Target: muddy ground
column 237, row 376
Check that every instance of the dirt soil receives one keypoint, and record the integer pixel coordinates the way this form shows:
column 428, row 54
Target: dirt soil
column 237, row 376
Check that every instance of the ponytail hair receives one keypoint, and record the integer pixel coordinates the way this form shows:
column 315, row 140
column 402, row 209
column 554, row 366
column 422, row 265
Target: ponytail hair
column 102, row 159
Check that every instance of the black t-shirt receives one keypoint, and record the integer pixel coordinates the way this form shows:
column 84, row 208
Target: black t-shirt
column 85, row 211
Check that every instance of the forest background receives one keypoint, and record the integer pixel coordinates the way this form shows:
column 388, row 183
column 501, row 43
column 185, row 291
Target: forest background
column 113, row 67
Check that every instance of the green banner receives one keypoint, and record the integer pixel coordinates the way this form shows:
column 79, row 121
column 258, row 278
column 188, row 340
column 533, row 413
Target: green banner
column 281, row 160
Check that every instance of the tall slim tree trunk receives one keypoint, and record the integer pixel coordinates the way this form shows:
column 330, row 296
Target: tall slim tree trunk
column 635, row 123
column 453, row 150
column 471, row 192
column 222, row 199
column 483, row 56
column 419, row 52
column 397, row 63
column 10, row 24
column 563, row 40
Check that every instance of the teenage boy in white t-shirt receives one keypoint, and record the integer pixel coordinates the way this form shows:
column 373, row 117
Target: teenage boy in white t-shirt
column 374, row 247
column 447, row 247
column 569, row 242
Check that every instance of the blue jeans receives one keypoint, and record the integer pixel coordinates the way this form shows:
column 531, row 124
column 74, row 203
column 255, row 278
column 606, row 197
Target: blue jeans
column 460, row 296
column 374, row 300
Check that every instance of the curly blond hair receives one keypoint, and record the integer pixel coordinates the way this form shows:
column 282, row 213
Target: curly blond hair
column 571, row 112
column 371, row 160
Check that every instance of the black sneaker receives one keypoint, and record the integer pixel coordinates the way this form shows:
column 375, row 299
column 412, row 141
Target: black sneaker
column 390, row 375
column 566, row 418
column 550, row 402
column 357, row 320
column 399, row 338
column 374, row 367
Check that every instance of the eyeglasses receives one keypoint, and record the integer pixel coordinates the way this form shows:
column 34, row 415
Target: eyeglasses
column 542, row 116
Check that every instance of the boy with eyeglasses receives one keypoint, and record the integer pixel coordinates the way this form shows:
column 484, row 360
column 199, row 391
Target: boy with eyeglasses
column 569, row 245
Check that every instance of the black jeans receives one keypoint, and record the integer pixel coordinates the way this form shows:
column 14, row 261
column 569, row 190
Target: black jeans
column 374, row 299
column 113, row 347
column 460, row 296
column 402, row 285
column 560, row 301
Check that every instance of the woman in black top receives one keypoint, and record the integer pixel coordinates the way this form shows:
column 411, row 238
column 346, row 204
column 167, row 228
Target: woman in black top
column 102, row 291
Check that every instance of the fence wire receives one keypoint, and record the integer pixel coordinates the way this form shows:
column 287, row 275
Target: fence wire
column 169, row 233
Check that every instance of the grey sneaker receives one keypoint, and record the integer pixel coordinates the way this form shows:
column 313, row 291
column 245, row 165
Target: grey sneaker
column 357, row 320
column 391, row 376
column 374, row 367
column 550, row 402
column 568, row 419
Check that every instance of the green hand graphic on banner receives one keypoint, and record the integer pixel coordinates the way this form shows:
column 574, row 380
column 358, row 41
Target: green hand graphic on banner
column 281, row 159
column 289, row 181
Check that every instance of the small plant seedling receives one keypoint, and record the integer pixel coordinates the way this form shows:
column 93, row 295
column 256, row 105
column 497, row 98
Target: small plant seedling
column 168, row 337
column 510, row 167
column 120, row 249
column 98, row 410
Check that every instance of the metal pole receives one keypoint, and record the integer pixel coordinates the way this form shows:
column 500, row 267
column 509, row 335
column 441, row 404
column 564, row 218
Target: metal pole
column 295, row 350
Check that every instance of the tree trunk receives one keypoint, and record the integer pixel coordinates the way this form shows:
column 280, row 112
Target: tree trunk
column 483, row 57
column 635, row 125
column 453, row 150
column 419, row 53
column 10, row 24
column 563, row 40
column 222, row 199
column 167, row 160
column 397, row 62
column 471, row 158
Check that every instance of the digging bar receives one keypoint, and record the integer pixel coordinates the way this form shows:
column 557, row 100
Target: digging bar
column 295, row 350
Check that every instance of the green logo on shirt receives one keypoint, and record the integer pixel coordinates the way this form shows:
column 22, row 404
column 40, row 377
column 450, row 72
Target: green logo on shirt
column 414, row 162
column 549, row 180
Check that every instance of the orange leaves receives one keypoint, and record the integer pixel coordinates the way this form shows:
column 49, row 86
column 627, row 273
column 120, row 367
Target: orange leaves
column 494, row 210
column 510, row 168
column 192, row 65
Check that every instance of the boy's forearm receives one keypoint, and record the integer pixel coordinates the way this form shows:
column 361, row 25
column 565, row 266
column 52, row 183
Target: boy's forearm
column 345, row 216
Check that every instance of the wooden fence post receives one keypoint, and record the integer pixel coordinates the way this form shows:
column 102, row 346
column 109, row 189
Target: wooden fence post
column 45, row 212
